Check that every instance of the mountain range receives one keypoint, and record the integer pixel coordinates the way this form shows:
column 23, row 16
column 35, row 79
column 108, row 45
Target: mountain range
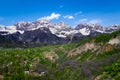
column 44, row 32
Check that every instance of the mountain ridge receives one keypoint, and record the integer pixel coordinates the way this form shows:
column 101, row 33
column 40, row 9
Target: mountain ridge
column 62, row 32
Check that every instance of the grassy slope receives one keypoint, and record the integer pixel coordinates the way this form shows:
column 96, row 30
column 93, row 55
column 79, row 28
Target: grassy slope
column 85, row 66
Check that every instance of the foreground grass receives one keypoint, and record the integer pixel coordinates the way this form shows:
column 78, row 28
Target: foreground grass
column 15, row 63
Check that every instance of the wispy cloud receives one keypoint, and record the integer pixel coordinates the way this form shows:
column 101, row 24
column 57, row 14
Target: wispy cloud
column 84, row 20
column 78, row 13
column 92, row 21
column 51, row 17
column 68, row 17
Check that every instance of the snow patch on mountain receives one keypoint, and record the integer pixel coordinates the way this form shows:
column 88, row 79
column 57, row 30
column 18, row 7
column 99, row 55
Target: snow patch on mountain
column 63, row 36
column 84, row 31
column 53, row 30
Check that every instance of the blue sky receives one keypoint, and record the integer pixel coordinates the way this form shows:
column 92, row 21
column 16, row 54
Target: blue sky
column 105, row 12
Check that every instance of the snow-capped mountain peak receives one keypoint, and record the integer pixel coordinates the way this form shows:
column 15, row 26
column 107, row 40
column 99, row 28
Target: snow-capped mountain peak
column 84, row 31
column 2, row 28
column 60, row 29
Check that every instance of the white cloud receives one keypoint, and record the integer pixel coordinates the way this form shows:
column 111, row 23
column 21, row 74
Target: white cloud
column 51, row 17
column 93, row 21
column 68, row 17
column 84, row 20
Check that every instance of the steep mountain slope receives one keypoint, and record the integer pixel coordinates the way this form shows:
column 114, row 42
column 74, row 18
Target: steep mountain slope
column 98, row 43
column 41, row 36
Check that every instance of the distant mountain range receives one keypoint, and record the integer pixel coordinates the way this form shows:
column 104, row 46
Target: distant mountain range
column 43, row 32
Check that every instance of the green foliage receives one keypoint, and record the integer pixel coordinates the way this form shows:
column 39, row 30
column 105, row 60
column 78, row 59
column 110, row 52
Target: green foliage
column 113, row 70
column 78, row 67
column 84, row 41
column 102, row 38
column 106, row 37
